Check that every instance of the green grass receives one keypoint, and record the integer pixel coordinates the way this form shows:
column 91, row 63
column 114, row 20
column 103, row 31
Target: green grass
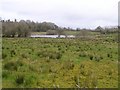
column 76, row 32
column 64, row 63
column 38, row 33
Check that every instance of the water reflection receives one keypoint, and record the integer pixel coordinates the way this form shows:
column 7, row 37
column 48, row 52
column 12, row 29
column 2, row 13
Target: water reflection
column 52, row 36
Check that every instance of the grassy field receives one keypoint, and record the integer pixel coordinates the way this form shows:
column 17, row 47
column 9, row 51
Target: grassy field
column 67, row 32
column 60, row 62
column 38, row 33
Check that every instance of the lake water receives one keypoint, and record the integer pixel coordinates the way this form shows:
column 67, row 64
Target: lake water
column 52, row 36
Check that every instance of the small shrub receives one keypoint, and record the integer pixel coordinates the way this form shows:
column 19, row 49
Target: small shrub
column 13, row 65
column 91, row 57
column 49, row 54
column 99, row 49
column 110, row 72
column 58, row 55
column 29, row 53
column 30, row 80
column 82, row 66
column 66, row 46
column 82, row 72
column 20, row 79
column 77, row 50
column 94, row 82
column 62, row 51
column 5, row 74
column 69, row 65
column 97, row 58
column 101, row 57
column 4, row 55
column 32, row 50
column 109, row 55
column 59, row 48
column 76, row 80
column 24, row 55
column 2, row 47
column 38, row 53
column 7, row 48
column 83, row 54
column 12, row 53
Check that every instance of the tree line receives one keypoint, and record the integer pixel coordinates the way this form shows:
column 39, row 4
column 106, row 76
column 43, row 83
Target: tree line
column 106, row 30
column 24, row 28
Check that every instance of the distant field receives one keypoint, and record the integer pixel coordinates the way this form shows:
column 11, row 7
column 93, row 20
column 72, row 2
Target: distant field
column 38, row 33
column 63, row 63
column 76, row 32
column 66, row 32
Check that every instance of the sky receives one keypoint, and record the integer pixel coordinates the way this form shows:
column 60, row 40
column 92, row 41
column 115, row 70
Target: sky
column 64, row 13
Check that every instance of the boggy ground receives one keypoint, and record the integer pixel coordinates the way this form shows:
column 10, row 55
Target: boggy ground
column 63, row 63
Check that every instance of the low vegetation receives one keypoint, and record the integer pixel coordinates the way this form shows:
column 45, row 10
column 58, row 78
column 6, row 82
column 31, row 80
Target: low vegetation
column 60, row 62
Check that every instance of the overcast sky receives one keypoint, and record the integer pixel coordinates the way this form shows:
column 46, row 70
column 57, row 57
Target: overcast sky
column 68, row 13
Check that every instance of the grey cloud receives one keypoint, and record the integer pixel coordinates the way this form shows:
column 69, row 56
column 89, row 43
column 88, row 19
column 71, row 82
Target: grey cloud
column 74, row 13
